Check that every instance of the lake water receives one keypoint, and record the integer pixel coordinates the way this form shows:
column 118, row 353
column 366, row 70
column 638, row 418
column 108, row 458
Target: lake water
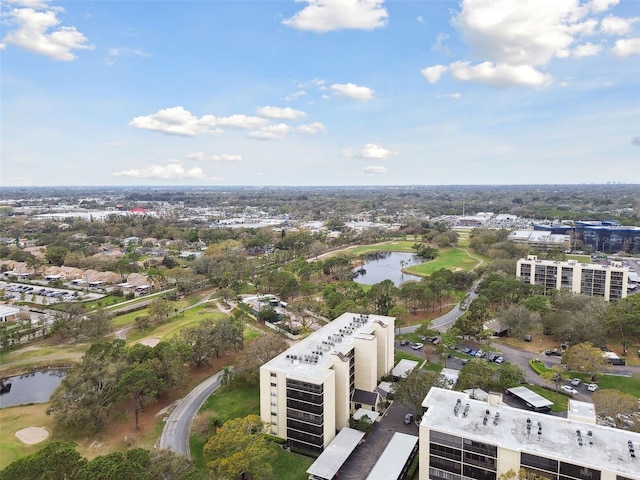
column 34, row 387
column 388, row 266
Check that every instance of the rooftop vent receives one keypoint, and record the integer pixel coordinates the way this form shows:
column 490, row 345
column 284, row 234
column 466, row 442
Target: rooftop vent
column 496, row 419
column 466, row 410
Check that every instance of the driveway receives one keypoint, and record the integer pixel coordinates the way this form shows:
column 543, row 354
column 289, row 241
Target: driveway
column 175, row 435
column 365, row 456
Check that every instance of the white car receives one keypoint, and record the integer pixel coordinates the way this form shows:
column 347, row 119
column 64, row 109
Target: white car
column 417, row 346
column 575, row 382
column 592, row 387
column 568, row 389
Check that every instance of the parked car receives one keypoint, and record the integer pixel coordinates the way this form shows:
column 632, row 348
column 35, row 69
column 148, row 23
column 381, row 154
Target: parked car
column 466, row 349
column 592, row 387
column 500, row 360
column 417, row 346
column 473, row 353
column 575, row 382
column 568, row 389
column 436, row 340
column 404, row 343
column 553, row 353
column 465, row 361
column 528, row 338
column 492, row 357
column 480, row 354
column 408, row 418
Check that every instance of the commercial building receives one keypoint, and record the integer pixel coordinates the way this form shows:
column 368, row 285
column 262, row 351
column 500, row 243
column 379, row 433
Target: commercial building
column 607, row 236
column 607, row 281
column 308, row 392
column 462, row 438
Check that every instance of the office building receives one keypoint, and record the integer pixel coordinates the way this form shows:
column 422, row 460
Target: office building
column 462, row 438
column 308, row 392
column 607, row 281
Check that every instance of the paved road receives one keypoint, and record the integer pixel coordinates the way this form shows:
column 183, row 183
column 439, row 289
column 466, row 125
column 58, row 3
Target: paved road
column 444, row 322
column 175, row 435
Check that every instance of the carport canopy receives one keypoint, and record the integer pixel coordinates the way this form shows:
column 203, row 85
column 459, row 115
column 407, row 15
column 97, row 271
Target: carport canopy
column 530, row 397
column 333, row 457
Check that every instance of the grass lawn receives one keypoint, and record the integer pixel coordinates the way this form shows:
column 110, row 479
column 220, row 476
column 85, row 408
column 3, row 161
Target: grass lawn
column 400, row 355
column 450, row 258
column 395, row 246
column 169, row 329
column 560, row 401
column 289, row 466
column 13, row 419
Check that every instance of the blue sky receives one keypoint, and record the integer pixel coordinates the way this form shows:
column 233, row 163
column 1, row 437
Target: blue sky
column 319, row 92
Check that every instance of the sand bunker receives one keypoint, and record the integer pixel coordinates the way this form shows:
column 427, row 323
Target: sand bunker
column 32, row 435
column 150, row 342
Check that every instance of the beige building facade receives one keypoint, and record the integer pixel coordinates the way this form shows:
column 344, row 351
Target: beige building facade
column 308, row 392
column 462, row 439
column 607, row 281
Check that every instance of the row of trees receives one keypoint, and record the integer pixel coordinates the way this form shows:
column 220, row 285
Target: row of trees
column 61, row 460
column 110, row 374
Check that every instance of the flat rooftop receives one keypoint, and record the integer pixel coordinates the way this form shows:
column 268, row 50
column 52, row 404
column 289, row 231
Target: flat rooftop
column 606, row 447
column 310, row 359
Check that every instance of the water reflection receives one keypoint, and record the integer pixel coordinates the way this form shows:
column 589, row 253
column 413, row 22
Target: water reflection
column 381, row 266
column 35, row 387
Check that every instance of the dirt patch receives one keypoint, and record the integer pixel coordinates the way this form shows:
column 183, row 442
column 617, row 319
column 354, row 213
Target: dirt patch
column 32, row 435
column 149, row 342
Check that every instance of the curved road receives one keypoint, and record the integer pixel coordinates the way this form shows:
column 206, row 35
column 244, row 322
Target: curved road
column 175, row 435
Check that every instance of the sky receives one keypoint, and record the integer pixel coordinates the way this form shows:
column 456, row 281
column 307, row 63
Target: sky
column 319, row 92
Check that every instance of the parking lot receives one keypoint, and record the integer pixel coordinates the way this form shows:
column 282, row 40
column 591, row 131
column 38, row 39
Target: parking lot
column 365, row 456
column 44, row 295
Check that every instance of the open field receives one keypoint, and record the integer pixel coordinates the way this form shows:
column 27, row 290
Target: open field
column 170, row 328
column 450, row 258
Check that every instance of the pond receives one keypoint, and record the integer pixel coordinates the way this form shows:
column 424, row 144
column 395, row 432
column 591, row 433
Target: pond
column 387, row 266
column 34, row 387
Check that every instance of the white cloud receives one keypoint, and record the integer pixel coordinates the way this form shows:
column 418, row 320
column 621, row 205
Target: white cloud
column 500, row 75
column 115, row 144
column 616, row 25
column 312, row 128
column 178, row 121
column 586, row 50
column 626, row 47
column 224, row 157
column 636, row 141
column 455, row 96
column 353, row 91
column 237, row 121
column 38, row 30
column 173, row 171
column 271, row 132
column 325, row 15
column 439, row 45
column 598, row 6
column 280, row 113
column 513, row 40
column 173, row 121
column 375, row 170
column 295, row 95
column 115, row 53
column 371, row 151
column 433, row 73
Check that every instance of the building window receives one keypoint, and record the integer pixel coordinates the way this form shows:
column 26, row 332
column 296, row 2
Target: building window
column 445, row 439
column 479, row 447
column 446, row 452
column 542, row 463
column 576, row 471
column 478, row 473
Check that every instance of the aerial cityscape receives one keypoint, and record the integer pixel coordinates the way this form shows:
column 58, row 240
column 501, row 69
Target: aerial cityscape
column 320, row 239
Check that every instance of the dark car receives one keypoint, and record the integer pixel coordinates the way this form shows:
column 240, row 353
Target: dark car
column 553, row 353
column 466, row 350
column 404, row 343
column 473, row 353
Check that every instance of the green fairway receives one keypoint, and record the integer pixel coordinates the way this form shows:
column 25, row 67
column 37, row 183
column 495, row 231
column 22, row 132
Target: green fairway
column 450, row 258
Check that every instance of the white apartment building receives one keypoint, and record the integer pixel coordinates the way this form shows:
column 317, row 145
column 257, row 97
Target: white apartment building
column 463, row 439
column 308, row 392
column 595, row 280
